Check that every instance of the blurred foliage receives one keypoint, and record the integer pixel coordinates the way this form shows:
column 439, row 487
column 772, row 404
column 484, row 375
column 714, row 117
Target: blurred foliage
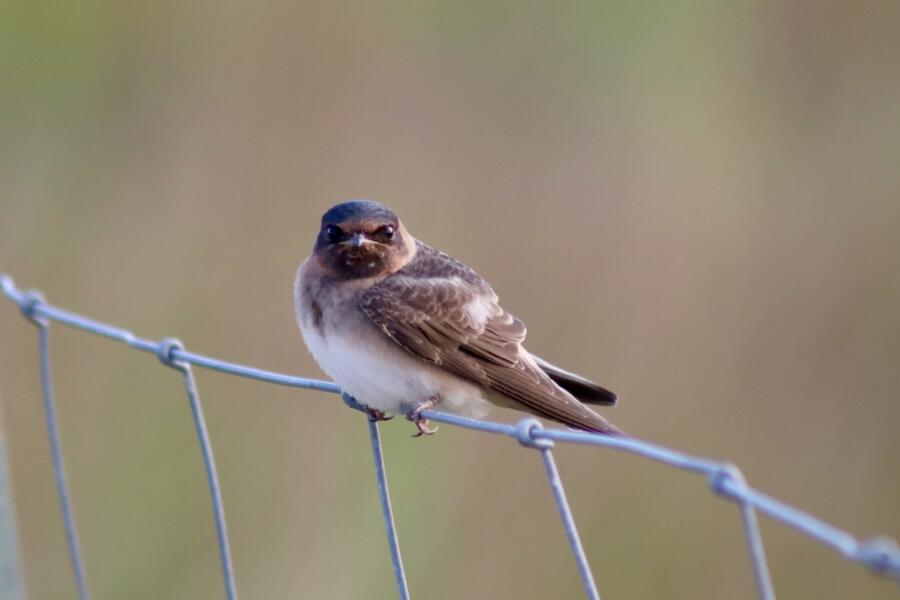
column 697, row 204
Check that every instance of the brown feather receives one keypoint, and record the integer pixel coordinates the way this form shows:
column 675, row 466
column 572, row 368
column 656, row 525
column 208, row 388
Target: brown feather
column 427, row 308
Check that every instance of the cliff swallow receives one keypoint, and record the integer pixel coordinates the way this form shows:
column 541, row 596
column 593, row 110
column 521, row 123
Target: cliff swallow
column 403, row 327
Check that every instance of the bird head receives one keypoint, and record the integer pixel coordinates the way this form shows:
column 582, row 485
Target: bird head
column 361, row 239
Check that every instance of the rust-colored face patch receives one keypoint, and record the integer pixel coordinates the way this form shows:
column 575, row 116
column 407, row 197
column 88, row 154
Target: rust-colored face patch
column 362, row 239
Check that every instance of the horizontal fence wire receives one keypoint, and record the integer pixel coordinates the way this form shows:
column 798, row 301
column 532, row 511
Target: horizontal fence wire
column 880, row 554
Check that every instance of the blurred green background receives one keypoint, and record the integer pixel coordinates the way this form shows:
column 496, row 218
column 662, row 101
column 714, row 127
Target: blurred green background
column 696, row 204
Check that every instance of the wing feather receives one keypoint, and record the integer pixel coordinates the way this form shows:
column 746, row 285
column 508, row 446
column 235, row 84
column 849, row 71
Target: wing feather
column 456, row 322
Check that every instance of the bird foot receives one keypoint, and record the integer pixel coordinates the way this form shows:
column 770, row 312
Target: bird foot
column 377, row 415
column 423, row 428
column 415, row 415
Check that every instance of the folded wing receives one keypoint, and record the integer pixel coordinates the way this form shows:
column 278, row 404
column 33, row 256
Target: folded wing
column 456, row 323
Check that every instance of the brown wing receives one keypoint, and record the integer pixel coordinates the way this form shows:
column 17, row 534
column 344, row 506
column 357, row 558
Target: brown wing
column 457, row 323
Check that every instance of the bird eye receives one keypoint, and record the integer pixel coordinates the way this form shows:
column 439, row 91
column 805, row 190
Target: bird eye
column 333, row 234
column 385, row 232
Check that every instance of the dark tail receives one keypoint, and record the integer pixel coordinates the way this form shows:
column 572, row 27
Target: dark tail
column 583, row 389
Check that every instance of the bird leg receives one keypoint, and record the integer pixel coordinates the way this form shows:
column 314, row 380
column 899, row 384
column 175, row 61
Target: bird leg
column 414, row 414
column 377, row 415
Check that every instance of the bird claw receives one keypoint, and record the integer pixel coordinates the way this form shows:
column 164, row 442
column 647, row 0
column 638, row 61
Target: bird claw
column 423, row 428
column 377, row 415
column 415, row 415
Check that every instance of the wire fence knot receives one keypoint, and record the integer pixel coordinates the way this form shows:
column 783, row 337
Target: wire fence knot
column 29, row 302
column 352, row 402
column 526, row 430
column 882, row 555
column 165, row 351
column 725, row 479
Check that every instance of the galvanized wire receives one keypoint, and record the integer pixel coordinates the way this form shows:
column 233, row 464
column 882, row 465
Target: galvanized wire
column 881, row 555
column 28, row 305
column 10, row 572
column 166, row 348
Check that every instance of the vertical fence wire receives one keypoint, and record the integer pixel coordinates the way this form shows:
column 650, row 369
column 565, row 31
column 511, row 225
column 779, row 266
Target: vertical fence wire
column 881, row 555
column 387, row 511
column 59, row 471
column 752, row 534
column 764, row 586
column 190, row 385
column 10, row 573
column 524, row 432
column 565, row 513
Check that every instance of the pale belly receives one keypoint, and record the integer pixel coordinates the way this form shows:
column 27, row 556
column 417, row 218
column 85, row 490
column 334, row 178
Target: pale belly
column 371, row 368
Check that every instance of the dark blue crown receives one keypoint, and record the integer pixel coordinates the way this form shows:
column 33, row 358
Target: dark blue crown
column 358, row 211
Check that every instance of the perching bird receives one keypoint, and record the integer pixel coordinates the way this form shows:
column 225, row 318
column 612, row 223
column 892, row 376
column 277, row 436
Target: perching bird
column 403, row 327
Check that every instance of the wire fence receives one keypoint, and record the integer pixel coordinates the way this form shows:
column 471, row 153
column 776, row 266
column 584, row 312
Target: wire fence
column 881, row 555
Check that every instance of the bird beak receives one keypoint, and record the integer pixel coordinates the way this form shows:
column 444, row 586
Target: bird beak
column 357, row 240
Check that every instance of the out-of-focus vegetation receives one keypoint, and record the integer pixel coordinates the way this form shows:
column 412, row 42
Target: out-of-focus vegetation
column 696, row 204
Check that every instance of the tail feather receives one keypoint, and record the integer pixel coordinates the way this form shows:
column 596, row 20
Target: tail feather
column 594, row 423
column 583, row 389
